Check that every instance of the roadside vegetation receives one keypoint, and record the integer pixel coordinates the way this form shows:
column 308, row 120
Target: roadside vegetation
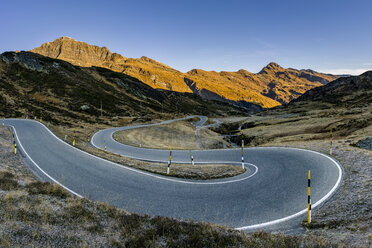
column 178, row 135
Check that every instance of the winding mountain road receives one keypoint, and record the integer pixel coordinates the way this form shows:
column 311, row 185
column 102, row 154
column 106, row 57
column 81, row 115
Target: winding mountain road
column 273, row 190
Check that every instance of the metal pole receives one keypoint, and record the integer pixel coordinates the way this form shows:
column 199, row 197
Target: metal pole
column 243, row 153
column 331, row 143
column 308, row 200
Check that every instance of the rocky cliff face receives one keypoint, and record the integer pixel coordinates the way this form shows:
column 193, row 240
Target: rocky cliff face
column 272, row 86
column 80, row 53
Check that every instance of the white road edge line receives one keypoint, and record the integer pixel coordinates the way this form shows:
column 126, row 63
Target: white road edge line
column 277, row 221
column 243, row 228
column 141, row 172
column 37, row 166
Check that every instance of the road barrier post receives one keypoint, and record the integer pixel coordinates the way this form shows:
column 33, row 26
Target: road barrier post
column 170, row 161
column 308, row 200
column 192, row 158
column 242, row 154
column 14, row 143
column 104, row 142
column 74, row 142
column 331, row 143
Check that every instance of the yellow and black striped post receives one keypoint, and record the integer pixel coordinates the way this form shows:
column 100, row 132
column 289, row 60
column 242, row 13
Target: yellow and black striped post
column 74, row 142
column 308, row 200
column 242, row 153
column 170, row 161
column 331, row 143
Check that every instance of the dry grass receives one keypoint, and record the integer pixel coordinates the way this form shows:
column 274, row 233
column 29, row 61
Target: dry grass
column 303, row 124
column 178, row 135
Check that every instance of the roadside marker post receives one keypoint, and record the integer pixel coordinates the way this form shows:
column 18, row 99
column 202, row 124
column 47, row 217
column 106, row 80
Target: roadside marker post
column 3, row 122
column 192, row 158
column 308, row 200
column 74, row 142
column 242, row 154
column 170, row 161
column 331, row 143
column 14, row 143
column 65, row 137
column 104, row 142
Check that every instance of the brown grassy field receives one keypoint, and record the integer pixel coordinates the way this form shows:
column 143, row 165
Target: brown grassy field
column 178, row 135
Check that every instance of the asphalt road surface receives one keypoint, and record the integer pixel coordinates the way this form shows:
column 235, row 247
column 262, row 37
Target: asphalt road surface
column 272, row 191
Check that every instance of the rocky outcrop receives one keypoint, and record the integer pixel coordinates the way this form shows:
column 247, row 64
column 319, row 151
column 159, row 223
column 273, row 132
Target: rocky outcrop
column 80, row 53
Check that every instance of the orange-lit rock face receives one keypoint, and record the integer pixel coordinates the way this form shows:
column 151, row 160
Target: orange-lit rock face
column 272, row 86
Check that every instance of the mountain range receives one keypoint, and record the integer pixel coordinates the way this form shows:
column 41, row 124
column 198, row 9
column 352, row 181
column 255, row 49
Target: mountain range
column 271, row 87
column 59, row 92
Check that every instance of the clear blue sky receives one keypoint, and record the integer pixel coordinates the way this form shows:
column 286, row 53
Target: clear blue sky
column 327, row 35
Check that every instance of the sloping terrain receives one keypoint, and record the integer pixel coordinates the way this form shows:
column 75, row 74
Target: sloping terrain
column 57, row 91
column 345, row 107
column 272, row 86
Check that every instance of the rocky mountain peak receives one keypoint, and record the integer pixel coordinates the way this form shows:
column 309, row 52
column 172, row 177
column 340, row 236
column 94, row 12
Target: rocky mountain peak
column 271, row 67
column 79, row 53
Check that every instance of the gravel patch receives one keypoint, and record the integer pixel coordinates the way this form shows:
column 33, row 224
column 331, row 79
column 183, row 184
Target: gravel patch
column 365, row 144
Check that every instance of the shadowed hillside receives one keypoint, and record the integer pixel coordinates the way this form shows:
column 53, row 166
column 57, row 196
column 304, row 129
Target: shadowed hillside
column 58, row 91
